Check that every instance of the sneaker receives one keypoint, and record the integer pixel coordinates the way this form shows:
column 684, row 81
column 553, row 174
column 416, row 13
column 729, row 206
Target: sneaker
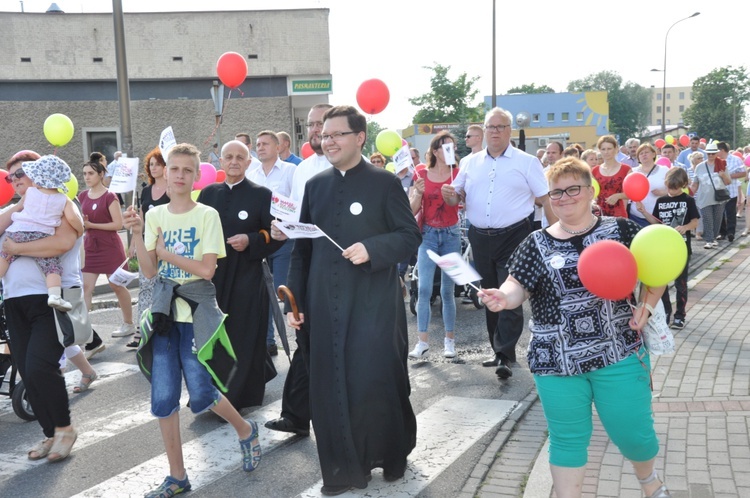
column 719, row 237
column 125, row 330
column 59, row 303
column 709, row 245
column 449, row 350
column 420, row 350
column 678, row 324
column 170, row 487
column 715, row 244
column 96, row 349
column 134, row 343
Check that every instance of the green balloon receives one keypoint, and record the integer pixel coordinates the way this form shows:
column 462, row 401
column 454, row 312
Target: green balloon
column 660, row 253
column 388, row 142
column 59, row 129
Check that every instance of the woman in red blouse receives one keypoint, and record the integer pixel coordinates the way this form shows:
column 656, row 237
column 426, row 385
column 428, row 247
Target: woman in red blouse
column 610, row 175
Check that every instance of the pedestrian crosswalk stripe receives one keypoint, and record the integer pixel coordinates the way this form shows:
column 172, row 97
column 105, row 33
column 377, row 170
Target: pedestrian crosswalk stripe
column 107, row 372
column 444, row 431
column 207, row 458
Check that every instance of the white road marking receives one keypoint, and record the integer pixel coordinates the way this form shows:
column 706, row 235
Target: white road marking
column 444, row 431
column 210, row 456
column 107, row 372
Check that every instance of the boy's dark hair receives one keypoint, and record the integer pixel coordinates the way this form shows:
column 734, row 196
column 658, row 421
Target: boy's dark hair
column 676, row 178
column 668, row 146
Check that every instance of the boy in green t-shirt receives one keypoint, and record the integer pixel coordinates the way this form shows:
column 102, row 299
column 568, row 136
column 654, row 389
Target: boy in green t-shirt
column 183, row 240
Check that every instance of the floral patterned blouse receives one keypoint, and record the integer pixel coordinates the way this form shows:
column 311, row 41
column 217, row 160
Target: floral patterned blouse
column 573, row 331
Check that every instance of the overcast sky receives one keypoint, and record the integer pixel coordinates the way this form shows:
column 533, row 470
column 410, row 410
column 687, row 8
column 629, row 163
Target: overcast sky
column 542, row 42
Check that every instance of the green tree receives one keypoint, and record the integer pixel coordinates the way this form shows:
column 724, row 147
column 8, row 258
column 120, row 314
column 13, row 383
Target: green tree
column 718, row 104
column 448, row 101
column 373, row 129
column 532, row 88
column 629, row 104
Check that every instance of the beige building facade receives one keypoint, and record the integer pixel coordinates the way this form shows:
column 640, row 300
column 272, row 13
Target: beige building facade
column 677, row 100
column 65, row 63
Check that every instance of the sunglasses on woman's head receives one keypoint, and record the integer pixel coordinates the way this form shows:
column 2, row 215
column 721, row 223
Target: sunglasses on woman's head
column 18, row 174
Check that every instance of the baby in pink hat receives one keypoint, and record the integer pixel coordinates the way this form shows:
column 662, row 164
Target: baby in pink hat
column 37, row 215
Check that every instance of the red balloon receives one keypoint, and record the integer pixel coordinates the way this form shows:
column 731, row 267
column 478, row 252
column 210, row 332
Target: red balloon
column 306, row 150
column 373, row 96
column 6, row 189
column 659, row 143
column 232, row 69
column 221, row 176
column 684, row 140
column 702, row 140
column 608, row 270
column 636, row 186
column 738, row 154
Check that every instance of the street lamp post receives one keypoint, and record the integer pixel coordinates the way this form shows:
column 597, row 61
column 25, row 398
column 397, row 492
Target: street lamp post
column 664, row 71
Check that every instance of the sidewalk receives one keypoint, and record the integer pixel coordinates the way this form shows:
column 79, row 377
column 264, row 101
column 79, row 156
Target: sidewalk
column 701, row 405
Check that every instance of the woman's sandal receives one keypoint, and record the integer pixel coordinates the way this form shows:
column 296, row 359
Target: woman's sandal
column 661, row 491
column 62, row 445
column 41, row 450
column 83, row 386
column 251, row 453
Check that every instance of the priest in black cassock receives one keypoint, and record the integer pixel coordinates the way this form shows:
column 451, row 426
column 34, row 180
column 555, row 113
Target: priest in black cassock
column 244, row 208
column 352, row 304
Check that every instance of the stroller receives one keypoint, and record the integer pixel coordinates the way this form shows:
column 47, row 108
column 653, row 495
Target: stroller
column 414, row 289
column 10, row 384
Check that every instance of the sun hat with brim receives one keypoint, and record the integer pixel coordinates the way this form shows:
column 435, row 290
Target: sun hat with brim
column 48, row 172
column 711, row 148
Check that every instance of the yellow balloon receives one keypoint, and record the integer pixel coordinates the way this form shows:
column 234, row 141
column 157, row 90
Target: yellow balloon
column 58, row 129
column 72, row 185
column 669, row 139
column 686, row 190
column 660, row 253
column 596, row 186
column 388, row 142
column 390, row 167
column 194, row 194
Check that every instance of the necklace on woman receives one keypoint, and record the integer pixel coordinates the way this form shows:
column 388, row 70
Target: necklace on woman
column 579, row 232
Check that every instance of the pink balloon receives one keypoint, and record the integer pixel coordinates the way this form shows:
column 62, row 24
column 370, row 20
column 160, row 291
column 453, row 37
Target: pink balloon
column 747, row 161
column 208, row 176
column 404, row 143
column 663, row 161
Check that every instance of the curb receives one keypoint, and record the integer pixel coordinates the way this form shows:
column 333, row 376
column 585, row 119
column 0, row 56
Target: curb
column 487, row 460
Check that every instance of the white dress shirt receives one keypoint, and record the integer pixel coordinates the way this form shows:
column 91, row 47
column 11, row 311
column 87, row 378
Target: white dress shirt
column 500, row 191
column 306, row 170
column 279, row 179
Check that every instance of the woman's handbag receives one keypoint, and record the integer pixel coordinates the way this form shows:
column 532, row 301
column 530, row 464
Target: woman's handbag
column 720, row 195
column 656, row 335
column 73, row 327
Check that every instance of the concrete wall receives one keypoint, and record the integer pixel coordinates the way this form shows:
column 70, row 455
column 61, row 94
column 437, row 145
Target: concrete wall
column 192, row 120
column 63, row 46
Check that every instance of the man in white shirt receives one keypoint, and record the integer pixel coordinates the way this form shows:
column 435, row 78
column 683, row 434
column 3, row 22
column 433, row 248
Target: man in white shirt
column 295, row 402
column 499, row 186
column 631, row 144
column 276, row 175
column 737, row 172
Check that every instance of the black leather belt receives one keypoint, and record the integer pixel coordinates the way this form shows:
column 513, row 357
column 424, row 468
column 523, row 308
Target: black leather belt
column 500, row 231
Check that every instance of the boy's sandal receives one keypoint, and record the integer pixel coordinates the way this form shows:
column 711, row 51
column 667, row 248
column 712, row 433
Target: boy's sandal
column 62, row 445
column 83, row 386
column 170, row 487
column 40, row 450
column 251, row 453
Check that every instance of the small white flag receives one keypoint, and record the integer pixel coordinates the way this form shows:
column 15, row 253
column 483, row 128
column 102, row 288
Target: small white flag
column 455, row 267
column 284, row 208
column 403, row 159
column 166, row 142
column 122, row 277
column 125, row 175
column 295, row 230
column 450, row 154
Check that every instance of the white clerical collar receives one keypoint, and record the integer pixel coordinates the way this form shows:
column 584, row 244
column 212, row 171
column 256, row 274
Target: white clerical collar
column 232, row 185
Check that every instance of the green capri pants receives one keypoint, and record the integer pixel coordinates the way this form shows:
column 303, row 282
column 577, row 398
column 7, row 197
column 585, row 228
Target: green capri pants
column 622, row 395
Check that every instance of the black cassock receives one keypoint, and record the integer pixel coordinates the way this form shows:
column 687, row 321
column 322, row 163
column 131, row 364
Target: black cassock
column 240, row 288
column 359, row 382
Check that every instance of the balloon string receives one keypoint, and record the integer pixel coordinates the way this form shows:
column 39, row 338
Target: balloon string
column 54, row 152
column 221, row 118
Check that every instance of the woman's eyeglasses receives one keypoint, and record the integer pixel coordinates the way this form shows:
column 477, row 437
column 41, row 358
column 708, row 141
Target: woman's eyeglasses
column 18, row 174
column 572, row 191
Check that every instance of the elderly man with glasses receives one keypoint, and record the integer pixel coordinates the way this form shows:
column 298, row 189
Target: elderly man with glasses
column 499, row 186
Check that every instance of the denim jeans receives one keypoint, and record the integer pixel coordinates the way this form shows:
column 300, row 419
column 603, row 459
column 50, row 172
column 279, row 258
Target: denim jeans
column 278, row 262
column 442, row 241
column 174, row 357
